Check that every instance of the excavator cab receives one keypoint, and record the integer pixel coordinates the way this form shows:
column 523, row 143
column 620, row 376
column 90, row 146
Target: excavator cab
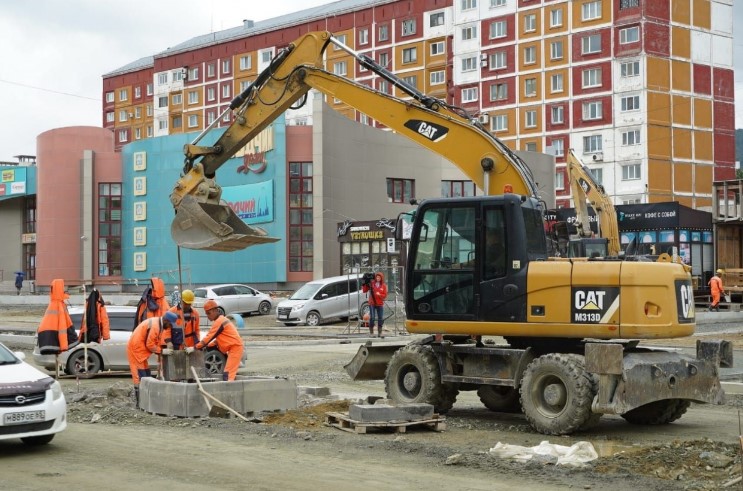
column 588, row 247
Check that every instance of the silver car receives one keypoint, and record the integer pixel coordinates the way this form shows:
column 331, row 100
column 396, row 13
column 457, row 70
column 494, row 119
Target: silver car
column 233, row 299
column 320, row 300
column 111, row 354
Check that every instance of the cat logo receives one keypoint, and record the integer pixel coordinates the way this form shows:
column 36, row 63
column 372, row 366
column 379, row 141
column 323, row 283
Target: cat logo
column 432, row 131
column 685, row 301
column 594, row 305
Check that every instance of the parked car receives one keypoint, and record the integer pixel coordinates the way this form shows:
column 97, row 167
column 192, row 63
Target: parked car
column 320, row 300
column 111, row 354
column 233, row 299
column 32, row 404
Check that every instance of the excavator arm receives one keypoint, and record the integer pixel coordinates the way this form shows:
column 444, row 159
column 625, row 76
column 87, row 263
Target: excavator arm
column 204, row 222
column 585, row 190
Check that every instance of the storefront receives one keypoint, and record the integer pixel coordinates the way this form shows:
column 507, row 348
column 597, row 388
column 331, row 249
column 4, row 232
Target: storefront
column 369, row 247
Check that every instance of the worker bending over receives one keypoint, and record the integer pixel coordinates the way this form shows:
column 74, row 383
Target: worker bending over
column 148, row 338
column 224, row 335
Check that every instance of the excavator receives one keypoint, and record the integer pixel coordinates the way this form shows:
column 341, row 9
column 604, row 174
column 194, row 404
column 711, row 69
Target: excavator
column 490, row 309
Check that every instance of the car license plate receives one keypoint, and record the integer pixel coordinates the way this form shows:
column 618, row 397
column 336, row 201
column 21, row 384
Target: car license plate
column 284, row 316
column 24, row 417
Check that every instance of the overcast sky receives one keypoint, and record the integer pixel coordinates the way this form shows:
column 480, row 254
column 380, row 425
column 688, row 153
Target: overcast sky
column 54, row 52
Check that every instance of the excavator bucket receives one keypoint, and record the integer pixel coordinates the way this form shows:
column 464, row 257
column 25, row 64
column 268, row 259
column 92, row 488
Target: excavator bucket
column 370, row 362
column 211, row 227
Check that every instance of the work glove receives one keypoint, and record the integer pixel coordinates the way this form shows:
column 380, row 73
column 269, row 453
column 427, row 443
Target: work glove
column 167, row 351
column 189, row 350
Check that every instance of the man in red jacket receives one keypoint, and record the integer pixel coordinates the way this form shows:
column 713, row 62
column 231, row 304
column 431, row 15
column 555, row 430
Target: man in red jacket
column 377, row 290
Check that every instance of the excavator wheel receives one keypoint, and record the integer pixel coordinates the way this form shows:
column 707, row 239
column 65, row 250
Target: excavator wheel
column 658, row 412
column 556, row 394
column 413, row 375
column 500, row 398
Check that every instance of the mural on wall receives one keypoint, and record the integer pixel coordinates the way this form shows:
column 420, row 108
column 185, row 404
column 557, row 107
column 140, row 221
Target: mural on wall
column 253, row 203
column 12, row 181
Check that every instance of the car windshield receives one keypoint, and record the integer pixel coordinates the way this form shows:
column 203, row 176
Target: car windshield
column 6, row 356
column 306, row 292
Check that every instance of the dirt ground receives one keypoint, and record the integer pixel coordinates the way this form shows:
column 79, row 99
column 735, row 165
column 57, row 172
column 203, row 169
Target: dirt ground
column 111, row 443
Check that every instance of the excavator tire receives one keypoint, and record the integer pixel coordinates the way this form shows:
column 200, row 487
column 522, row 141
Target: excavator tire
column 413, row 375
column 556, row 394
column 658, row 412
column 500, row 398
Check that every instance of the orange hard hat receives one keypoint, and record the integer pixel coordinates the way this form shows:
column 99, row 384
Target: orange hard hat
column 209, row 305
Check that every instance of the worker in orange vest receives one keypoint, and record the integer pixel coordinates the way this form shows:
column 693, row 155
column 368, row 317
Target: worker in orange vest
column 148, row 338
column 153, row 302
column 188, row 321
column 224, row 335
column 715, row 286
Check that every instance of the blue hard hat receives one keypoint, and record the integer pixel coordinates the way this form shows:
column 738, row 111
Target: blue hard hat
column 170, row 317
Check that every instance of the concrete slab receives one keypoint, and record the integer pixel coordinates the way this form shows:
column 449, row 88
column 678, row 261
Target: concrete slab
column 315, row 391
column 367, row 413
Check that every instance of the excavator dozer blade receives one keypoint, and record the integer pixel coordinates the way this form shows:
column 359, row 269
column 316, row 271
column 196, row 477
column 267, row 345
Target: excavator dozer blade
column 211, row 227
column 370, row 362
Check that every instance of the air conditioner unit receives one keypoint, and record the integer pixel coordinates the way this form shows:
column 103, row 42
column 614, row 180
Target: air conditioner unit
column 484, row 118
column 598, row 157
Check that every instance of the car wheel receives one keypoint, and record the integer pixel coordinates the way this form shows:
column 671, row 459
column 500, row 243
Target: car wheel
column 214, row 360
column 76, row 363
column 38, row 440
column 364, row 310
column 264, row 308
column 220, row 310
column 313, row 319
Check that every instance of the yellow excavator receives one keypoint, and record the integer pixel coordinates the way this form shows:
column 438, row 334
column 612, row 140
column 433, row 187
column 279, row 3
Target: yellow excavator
column 555, row 338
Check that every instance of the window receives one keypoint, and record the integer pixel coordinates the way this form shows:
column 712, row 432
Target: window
column 211, row 70
column 498, row 92
column 558, row 147
column 530, row 55
column 556, row 84
column 457, row 189
column 177, row 75
column 408, row 27
column 592, row 144
column 469, row 94
column 246, row 62
column 591, row 44
column 110, row 117
column 556, row 18
column 149, row 89
column 631, row 137
column 384, row 59
column 162, row 78
column 630, row 68
column 339, row 68
column 597, row 174
column 469, row 33
column 558, row 114
column 559, row 180
column 497, row 3
column 364, row 36
column 498, row 60
column 469, row 64
column 409, row 55
column 631, row 103
column 592, row 77
column 629, row 35
column 226, row 90
column 210, row 117
column 193, row 97
column 162, row 101
column 384, row 87
column 556, row 50
column 177, row 122
column 591, row 10
column 138, row 112
column 530, row 87
column 631, row 172
column 138, row 133
column 437, row 19
column 162, row 124
column 109, row 96
column 109, row 228
column 468, row 4
column 149, row 131
column 530, row 147
column 177, row 99
column 632, row 201
column 210, row 94
column 384, row 32
column 300, row 216
column 225, row 66
column 593, row 110
column 266, row 56
column 411, row 80
column 193, row 121
column 498, row 29
column 530, row 23
column 499, row 122
column 437, row 78
column 123, row 136
column 530, row 119
column 626, row 4
column 437, row 48
column 149, row 109
column 244, row 85
column 400, row 190
column 123, row 95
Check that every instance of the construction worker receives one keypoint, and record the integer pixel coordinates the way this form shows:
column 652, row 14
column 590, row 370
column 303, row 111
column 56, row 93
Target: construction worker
column 153, row 302
column 715, row 286
column 95, row 327
column 148, row 338
column 188, row 322
column 56, row 333
column 224, row 335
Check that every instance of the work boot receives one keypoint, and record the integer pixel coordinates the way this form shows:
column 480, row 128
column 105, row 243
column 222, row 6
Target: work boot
column 136, row 395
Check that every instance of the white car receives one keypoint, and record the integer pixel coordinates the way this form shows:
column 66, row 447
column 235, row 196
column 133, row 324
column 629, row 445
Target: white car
column 32, row 404
column 233, row 298
column 111, row 354
column 319, row 300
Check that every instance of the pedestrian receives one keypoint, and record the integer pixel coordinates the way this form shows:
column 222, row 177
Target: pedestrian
column 95, row 327
column 716, row 288
column 223, row 334
column 147, row 338
column 153, row 302
column 377, row 290
column 187, row 323
column 175, row 296
column 19, row 281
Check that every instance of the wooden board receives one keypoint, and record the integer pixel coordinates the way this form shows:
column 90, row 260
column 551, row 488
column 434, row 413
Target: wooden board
column 343, row 422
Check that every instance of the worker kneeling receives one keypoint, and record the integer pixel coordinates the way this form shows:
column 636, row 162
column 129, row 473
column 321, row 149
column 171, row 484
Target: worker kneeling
column 223, row 334
column 148, row 337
